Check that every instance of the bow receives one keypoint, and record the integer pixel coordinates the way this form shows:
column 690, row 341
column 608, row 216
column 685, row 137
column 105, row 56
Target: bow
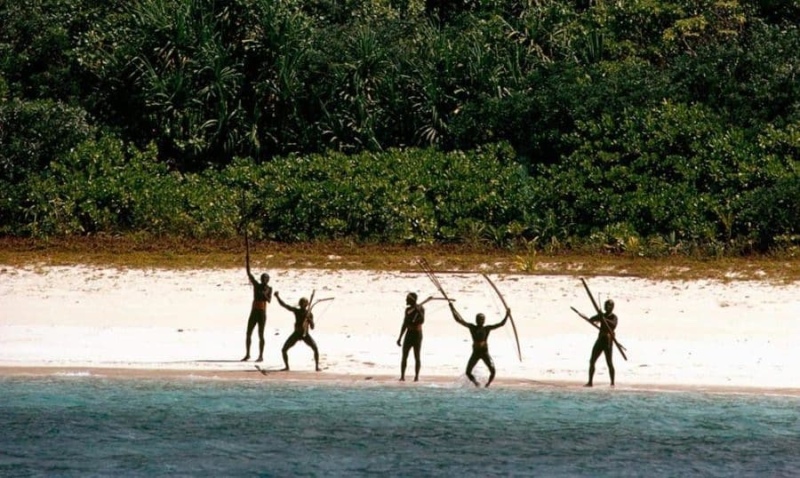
column 513, row 325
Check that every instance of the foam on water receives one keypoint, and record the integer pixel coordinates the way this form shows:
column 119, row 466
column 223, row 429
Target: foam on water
column 73, row 374
column 95, row 426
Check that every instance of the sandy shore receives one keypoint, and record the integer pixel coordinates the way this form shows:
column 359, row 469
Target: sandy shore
column 706, row 335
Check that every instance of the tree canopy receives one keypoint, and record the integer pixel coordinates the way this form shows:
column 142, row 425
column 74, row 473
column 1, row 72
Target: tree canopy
column 636, row 122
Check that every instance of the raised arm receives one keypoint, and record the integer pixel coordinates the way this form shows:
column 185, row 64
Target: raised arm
column 457, row 316
column 247, row 259
column 502, row 322
column 282, row 303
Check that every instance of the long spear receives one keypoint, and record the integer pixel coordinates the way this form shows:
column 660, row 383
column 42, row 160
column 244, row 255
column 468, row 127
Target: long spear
column 620, row 347
column 596, row 306
column 247, row 247
column 602, row 318
column 513, row 325
column 591, row 297
column 244, row 226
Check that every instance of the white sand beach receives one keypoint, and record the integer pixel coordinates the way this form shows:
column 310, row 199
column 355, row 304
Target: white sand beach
column 736, row 336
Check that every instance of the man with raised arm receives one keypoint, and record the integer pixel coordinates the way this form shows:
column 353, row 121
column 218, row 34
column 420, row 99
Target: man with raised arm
column 303, row 320
column 412, row 328
column 480, row 345
column 604, row 344
column 262, row 294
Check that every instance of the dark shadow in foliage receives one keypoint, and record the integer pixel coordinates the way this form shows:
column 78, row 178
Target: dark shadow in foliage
column 444, row 11
column 776, row 11
column 772, row 214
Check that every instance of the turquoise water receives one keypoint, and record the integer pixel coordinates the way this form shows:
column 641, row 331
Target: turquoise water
column 91, row 426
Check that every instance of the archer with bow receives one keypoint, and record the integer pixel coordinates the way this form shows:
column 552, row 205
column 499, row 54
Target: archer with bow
column 303, row 321
column 479, row 330
column 480, row 342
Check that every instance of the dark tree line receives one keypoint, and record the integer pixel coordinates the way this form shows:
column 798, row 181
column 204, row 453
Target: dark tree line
column 671, row 121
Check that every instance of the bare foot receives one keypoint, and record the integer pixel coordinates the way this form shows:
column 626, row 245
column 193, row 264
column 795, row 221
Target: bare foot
column 245, row 359
column 416, row 379
column 260, row 359
column 285, row 369
column 319, row 369
column 588, row 384
column 402, row 379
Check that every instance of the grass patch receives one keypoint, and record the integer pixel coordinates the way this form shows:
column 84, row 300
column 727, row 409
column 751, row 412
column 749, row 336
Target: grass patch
column 131, row 252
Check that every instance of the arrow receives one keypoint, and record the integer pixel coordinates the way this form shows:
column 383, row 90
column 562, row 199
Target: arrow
column 435, row 298
column 423, row 264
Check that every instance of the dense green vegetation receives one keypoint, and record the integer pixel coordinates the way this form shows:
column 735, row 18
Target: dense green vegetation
column 649, row 127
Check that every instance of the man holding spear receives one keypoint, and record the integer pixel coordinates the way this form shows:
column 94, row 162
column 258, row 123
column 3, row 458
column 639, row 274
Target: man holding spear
column 262, row 295
column 606, row 322
column 604, row 344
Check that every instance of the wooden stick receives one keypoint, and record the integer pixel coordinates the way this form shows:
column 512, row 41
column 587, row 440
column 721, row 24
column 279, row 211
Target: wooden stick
column 246, row 236
column 308, row 313
column 513, row 325
column 597, row 307
column 246, row 244
column 311, row 305
column 435, row 298
column 423, row 264
column 247, row 250
column 613, row 338
column 591, row 297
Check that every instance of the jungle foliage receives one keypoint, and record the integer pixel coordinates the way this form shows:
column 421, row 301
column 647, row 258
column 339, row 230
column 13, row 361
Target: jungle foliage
column 648, row 127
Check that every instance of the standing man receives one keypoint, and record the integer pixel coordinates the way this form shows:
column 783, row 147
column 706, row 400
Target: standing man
column 412, row 327
column 480, row 345
column 303, row 319
column 607, row 321
column 262, row 294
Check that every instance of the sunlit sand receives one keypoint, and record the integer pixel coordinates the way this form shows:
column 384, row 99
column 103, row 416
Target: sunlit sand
column 696, row 335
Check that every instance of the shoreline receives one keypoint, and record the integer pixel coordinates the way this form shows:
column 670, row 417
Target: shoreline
column 695, row 335
column 381, row 380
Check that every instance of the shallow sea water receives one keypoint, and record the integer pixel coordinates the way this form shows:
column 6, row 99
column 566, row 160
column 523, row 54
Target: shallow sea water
column 94, row 426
